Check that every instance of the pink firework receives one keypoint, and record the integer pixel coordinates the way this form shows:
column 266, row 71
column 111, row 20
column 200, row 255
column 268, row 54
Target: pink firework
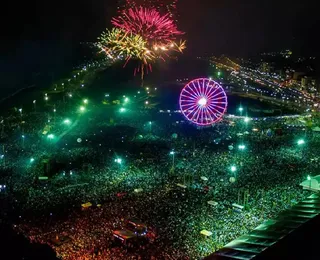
column 148, row 23
column 203, row 102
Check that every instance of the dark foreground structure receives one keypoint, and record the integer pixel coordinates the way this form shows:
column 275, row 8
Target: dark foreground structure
column 294, row 234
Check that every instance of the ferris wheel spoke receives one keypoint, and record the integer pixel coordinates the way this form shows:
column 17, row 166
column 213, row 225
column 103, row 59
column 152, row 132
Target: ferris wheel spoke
column 215, row 110
column 204, row 116
column 208, row 90
column 198, row 112
column 212, row 92
column 196, row 89
column 218, row 98
column 218, row 103
column 209, row 114
column 191, row 109
column 193, row 94
column 184, row 97
column 212, row 113
column 212, row 96
column 219, row 107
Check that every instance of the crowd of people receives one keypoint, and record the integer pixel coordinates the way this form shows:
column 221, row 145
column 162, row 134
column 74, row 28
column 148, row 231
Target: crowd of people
column 82, row 166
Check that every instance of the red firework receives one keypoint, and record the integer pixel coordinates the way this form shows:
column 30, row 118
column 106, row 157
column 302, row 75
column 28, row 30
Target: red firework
column 148, row 23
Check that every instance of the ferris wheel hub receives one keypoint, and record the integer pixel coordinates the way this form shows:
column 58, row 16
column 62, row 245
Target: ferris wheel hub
column 202, row 101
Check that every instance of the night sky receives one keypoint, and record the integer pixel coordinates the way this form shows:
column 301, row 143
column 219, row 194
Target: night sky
column 43, row 34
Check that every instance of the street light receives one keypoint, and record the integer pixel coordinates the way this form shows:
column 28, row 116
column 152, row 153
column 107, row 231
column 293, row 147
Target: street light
column 85, row 101
column 172, row 153
column 50, row 136
column 126, row 100
column 309, row 179
column 82, row 109
column 246, row 119
column 233, row 168
column 301, row 142
column 122, row 110
column 31, row 160
column 23, row 137
column 67, row 121
column 118, row 161
column 241, row 147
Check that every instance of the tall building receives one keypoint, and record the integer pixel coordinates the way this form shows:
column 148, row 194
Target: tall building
column 163, row 6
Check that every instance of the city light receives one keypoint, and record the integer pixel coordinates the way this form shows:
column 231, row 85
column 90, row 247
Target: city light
column 301, row 142
column 122, row 110
column 31, row 160
column 82, row 109
column 240, row 109
column 246, row 119
column 85, row 101
column 126, row 100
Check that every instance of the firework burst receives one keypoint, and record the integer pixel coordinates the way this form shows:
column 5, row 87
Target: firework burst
column 149, row 23
column 141, row 34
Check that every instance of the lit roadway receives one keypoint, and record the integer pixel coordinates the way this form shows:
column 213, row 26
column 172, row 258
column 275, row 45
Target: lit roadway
column 253, row 84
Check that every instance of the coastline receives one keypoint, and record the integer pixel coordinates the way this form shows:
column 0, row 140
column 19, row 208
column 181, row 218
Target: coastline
column 16, row 92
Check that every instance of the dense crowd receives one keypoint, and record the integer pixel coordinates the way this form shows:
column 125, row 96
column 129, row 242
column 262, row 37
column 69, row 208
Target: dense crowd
column 266, row 180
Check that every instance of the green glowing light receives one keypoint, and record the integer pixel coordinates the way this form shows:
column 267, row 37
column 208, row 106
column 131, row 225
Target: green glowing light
column 233, row 168
column 242, row 147
column 118, row 161
column 67, row 121
column 51, row 136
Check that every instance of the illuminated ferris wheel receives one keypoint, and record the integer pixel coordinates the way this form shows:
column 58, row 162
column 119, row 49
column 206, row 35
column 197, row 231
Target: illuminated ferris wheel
column 203, row 101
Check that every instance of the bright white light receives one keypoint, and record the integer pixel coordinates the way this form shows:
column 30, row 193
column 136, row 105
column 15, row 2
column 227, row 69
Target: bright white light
column 67, row 121
column 202, row 101
column 118, row 160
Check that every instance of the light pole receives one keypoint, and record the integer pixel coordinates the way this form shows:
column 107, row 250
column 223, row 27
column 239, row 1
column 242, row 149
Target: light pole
column 233, row 169
column 309, row 179
column 23, row 137
column 301, row 142
column 172, row 153
column 240, row 110
column 34, row 105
